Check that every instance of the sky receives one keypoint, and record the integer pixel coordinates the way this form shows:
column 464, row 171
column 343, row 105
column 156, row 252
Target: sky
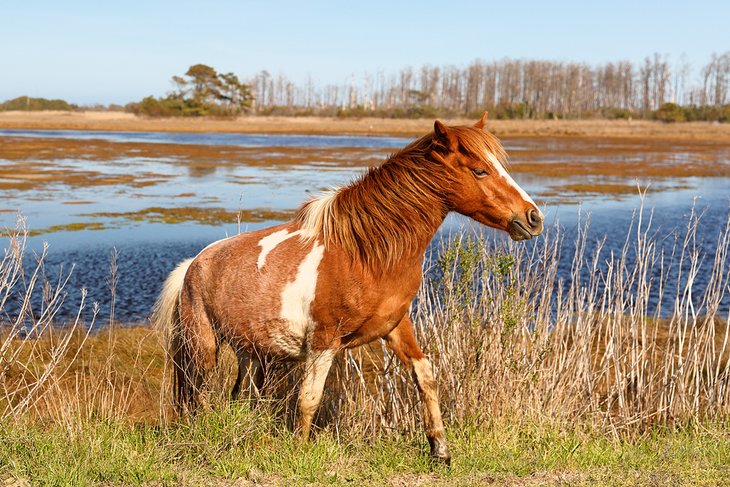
column 89, row 52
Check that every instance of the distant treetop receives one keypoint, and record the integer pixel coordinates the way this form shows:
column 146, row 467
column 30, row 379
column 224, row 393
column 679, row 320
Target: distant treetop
column 26, row 103
column 201, row 91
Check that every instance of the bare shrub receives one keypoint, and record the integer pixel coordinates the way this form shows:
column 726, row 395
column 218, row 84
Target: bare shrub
column 34, row 353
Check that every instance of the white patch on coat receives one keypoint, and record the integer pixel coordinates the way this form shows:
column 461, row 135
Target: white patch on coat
column 504, row 174
column 269, row 243
column 289, row 343
column 297, row 296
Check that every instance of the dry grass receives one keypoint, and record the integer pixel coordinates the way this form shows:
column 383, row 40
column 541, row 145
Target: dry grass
column 120, row 121
column 29, row 367
column 509, row 339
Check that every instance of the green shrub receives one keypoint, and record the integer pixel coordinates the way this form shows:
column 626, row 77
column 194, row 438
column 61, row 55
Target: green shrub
column 619, row 114
column 670, row 113
column 26, row 103
column 201, row 92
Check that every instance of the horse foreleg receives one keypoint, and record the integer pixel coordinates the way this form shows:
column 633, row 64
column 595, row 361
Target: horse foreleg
column 316, row 368
column 403, row 343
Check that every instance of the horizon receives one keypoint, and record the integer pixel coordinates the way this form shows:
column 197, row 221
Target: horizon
column 87, row 54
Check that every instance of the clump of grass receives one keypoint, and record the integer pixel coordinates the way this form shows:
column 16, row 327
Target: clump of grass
column 242, row 445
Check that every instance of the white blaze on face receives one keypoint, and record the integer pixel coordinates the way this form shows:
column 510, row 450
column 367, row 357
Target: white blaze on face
column 297, row 296
column 269, row 243
column 506, row 176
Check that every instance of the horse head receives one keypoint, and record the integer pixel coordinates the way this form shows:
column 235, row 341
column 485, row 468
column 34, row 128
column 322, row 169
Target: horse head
column 482, row 187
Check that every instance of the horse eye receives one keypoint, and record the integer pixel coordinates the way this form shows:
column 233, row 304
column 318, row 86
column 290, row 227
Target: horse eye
column 479, row 172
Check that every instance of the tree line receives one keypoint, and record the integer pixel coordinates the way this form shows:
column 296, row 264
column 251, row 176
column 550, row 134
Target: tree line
column 512, row 88
column 27, row 103
column 508, row 88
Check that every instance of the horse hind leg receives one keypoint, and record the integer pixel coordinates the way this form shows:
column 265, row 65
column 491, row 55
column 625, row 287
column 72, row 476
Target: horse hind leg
column 195, row 357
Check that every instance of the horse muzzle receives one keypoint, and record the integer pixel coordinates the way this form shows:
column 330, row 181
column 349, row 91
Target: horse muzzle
column 526, row 227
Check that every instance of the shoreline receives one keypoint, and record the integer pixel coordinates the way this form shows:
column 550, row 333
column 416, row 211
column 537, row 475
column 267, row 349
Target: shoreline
column 127, row 122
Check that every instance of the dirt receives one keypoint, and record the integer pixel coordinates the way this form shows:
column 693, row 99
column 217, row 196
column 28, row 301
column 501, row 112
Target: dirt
column 610, row 156
column 51, row 149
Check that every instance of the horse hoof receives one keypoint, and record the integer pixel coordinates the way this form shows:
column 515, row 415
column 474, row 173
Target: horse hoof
column 440, row 453
column 441, row 459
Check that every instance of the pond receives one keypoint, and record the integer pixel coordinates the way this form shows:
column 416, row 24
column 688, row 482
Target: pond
column 157, row 198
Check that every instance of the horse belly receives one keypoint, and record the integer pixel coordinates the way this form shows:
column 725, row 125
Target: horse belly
column 274, row 337
column 269, row 326
column 275, row 316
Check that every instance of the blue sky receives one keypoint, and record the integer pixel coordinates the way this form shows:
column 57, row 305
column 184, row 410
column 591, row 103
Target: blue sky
column 115, row 52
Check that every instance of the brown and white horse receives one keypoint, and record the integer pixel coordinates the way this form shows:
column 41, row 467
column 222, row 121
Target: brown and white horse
column 342, row 274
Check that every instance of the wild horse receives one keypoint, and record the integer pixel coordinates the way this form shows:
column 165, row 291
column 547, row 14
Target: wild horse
column 342, row 273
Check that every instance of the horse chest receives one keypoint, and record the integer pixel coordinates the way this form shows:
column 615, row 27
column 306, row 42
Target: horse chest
column 353, row 312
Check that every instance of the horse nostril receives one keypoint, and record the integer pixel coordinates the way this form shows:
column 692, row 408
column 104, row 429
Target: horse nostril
column 533, row 218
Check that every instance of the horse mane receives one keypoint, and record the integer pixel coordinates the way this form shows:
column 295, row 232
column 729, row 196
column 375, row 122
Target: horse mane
column 384, row 213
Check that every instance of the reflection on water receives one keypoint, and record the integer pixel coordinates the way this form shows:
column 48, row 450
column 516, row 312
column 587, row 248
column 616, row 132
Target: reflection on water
column 233, row 140
column 62, row 180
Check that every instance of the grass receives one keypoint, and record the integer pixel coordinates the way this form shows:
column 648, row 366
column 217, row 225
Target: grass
column 237, row 443
column 234, row 443
column 546, row 376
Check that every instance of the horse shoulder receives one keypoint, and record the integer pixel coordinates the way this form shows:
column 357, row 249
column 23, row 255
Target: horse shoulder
column 359, row 305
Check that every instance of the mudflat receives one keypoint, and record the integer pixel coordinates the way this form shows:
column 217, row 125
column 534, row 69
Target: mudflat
column 121, row 121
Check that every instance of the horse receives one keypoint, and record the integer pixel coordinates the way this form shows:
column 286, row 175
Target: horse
column 341, row 274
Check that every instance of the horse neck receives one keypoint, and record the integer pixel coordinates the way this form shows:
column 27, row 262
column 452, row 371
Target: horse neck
column 405, row 205
column 416, row 243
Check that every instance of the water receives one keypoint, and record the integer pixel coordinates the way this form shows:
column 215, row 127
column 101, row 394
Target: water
column 65, row 180
column 225, row 139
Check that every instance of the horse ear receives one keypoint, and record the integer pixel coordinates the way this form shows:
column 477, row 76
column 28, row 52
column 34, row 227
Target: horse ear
column 481, row 123
column 440, row 130
column 443, row 135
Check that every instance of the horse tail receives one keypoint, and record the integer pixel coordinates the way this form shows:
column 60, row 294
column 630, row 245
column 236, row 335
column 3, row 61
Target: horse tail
column 166, row 320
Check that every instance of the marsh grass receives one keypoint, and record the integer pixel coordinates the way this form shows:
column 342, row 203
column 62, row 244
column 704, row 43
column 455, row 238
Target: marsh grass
column 239, row 445
column 595, row 373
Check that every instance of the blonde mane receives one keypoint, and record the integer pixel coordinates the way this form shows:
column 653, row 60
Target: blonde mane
column 383, row 214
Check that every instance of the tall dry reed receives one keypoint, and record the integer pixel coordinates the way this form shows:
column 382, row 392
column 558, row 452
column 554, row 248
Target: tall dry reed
column 34, row 354
column 511, row 333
